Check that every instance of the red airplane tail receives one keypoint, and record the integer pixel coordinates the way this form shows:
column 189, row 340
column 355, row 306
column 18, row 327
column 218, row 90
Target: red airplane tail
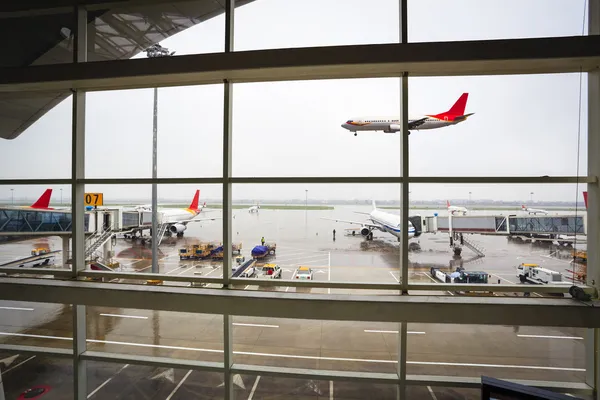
column 194, row 204
column 585, row 199
column 457, row 110
column 44, row 200
column 448, row 203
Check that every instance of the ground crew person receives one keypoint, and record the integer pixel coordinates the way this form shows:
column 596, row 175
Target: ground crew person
column 262, row 240
column 334, row 234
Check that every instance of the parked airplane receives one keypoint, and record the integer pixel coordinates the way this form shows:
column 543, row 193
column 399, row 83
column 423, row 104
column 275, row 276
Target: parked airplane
column 177, row 219
column 42, row 203
column 382, row 221
column 254, row 209
column 533, row 211
column 453, row 116
column 456, row 210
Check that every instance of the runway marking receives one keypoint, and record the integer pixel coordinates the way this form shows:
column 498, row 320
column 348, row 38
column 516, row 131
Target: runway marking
column 175, row 269
column 179, row 385
column 187, row 270
column 433, row 396
column 514, row 283
column 425, row 274
column 330, row 390
column 394, row 276
column 409, row 332
column 18, row 365
column 124, row 316
column 254, row 387
column 16, row 308
column 247, row 353
column 287, row 260
column 256, row 325
column 307, row 250
column 106, row 381
column 551, row 337
column 292, row 278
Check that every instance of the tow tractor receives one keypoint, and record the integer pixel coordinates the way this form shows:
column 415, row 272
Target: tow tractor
column 460, row 276
column 264, row 251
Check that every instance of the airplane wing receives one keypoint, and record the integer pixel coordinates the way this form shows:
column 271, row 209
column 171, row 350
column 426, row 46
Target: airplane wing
column 192, row 220
column 416, row 123
column 367, row 224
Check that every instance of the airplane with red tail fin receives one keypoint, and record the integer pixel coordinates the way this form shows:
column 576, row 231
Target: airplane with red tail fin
column 43, row 203
column 453, row 116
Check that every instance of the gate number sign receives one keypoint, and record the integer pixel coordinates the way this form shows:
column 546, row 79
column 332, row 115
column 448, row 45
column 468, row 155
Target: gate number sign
column 93, row 199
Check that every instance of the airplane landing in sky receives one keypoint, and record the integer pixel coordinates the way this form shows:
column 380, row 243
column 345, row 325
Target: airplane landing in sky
column 453, row 116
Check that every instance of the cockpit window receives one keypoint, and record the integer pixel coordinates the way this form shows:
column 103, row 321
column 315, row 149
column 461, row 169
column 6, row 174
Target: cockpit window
column 349, row 121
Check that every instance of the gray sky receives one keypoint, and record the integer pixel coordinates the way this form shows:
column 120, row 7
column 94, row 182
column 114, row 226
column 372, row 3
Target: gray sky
column 523, row 125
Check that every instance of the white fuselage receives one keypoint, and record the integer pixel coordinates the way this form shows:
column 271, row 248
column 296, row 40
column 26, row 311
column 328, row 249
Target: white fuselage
column 455, row 210
column 388, row 124
column 535, row 211
column 390, row 223
column 176, row 215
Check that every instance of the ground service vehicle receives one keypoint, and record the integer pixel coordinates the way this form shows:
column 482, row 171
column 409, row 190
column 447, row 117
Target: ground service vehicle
column 270, row 271
column 460, row 276
column 533, row 273
column 304, row 273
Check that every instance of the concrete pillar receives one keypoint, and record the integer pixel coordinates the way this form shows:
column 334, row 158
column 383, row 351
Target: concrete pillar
column 106, row 250
column 66, row 249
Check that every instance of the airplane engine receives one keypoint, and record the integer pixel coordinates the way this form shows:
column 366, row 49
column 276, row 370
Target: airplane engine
column 177, row 228
column 394, row 128
column 365, row 231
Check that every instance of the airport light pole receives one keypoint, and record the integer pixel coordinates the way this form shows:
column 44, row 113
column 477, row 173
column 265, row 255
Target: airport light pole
column 12, row 196
column 61, row 203
column 531, row 198
column 156, row 50
column 306, row 199
column 469, row 197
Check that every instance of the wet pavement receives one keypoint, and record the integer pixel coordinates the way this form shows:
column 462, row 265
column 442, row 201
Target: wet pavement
column 551, row 354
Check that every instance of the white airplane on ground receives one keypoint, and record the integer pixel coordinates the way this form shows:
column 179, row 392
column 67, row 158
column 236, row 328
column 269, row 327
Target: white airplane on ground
column 533, row 211
column 177, row 219
column 254, row 209
column 453, row 116
column 456, row 210
column 382, row 221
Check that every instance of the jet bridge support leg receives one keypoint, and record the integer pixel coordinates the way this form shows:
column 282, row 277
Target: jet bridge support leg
column 65, row 250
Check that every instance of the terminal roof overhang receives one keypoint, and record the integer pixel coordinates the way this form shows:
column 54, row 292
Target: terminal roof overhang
column 117, row 30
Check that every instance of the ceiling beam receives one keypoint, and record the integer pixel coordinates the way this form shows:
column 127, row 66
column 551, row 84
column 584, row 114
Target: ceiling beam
column 485, row 57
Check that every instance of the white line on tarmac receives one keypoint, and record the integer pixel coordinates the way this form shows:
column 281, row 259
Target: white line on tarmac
column 247, row 353
column 394, row 276
column 292, row 278
column 175, row 269
column 179, row 385
column 287, row 260
column 425, row 274
column 514, row 283
column 124, row 316
column 254, row 387
column 18, row 365
column 256, row 325
column 551, row 337
column 189, row 269
column 106, row 381
column 433, row 396
column 306, row 250
column 409, row 332
column 16, row 308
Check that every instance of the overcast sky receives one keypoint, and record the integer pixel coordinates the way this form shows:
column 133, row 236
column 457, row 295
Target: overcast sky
column 523, row 125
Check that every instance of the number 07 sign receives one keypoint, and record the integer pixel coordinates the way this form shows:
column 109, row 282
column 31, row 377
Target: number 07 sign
column 93, row 199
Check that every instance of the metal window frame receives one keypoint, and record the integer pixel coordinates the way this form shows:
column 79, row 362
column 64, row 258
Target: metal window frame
column 546, row 55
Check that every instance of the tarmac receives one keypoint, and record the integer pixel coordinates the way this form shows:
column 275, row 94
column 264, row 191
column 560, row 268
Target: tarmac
column 512, row 352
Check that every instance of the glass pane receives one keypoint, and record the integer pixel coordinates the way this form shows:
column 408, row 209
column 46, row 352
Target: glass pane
column 297, row 223
column 313, row 344
column 502, row 137
column 267, row 387
column 256, row 22
column 181, row 27
column 111, row 380
column 155, row 333
column 503, row 352
column 300, row 122
column 35, row 123
column 495, row 229
column 25, row 376
column 36, row 324
column 189, row 217
column 435, row 20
